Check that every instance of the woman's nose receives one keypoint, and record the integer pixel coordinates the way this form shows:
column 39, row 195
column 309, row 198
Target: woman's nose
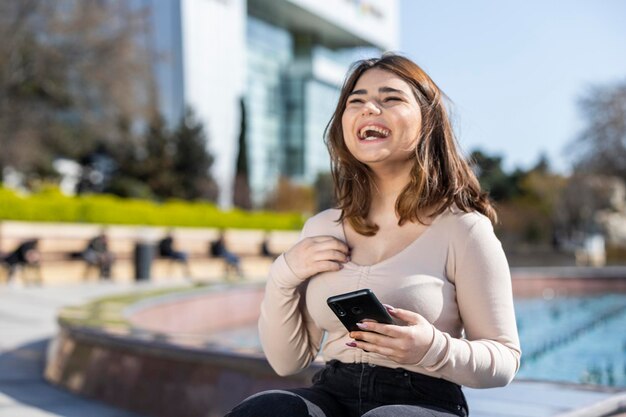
column 370, row 107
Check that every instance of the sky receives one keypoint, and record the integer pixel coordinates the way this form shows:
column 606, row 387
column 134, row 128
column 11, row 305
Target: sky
column 515, row 70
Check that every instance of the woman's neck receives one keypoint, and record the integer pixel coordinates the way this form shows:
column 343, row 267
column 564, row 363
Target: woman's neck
column 388, row 184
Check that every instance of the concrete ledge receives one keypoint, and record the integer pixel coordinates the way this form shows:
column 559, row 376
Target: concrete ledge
column 157, row 373
column 569, row 272
column 58, row 240
column 561, row 281
column 158, row 380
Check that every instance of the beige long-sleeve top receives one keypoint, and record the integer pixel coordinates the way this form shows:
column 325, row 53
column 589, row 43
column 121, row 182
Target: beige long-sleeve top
column 455, row 274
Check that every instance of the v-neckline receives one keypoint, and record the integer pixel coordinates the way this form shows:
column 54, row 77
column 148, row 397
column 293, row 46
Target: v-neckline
column 397, row 254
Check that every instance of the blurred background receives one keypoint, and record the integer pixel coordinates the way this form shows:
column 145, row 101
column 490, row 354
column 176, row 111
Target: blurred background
column 226, row 101
column 198, row 118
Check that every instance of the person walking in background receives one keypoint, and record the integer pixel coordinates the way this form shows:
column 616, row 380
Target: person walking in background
column 166, row 250
column 412, row 225
column 97, row 254
column 25, row 256
column 218, row 249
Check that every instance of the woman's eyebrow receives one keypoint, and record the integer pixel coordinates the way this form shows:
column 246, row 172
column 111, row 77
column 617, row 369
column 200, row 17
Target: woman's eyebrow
column 380, row 90
column 360, row 92
column 390, row 90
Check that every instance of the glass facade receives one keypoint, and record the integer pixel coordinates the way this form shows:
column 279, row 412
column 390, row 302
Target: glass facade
column 321, row 99
column 289, row 103
column 269, row 52
column 167, row 35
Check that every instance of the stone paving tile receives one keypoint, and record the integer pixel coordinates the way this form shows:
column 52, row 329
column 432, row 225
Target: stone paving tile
column 531, row 399
column 17, row 410
column 27, row 321
column 18, row 398
column 34, row 393
column 541, row 393
column 504, row 408
column 88, row 410
column 21, row 364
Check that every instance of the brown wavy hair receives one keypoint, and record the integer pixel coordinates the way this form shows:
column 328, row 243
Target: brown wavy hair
column 440, row 176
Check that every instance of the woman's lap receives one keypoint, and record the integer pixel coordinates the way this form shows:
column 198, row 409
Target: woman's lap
column 279, row 403
column 356, row 390
column 276, row 403
column 407, row 411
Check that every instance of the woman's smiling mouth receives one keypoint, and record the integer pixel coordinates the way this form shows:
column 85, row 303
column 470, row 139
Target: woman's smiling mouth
column 373, row 132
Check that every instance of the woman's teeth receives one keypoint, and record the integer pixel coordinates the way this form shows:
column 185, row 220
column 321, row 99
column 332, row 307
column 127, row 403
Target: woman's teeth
column 372, row 132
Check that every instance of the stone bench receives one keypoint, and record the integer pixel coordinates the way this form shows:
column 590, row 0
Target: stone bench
column 58, row 242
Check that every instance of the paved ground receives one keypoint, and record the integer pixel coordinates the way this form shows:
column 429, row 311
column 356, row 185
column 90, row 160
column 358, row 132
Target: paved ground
column 27, row 321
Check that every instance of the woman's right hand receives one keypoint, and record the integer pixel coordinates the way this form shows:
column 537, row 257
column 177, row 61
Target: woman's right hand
column 316, row 254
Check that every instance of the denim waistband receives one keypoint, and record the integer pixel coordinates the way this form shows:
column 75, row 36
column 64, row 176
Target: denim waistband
column 356, row 369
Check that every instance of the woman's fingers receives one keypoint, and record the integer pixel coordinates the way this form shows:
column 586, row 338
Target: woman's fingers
column 373, row 348
column 331, row 255
column 325, row 238
column 325, row 266
column 406, row 316
column 331, row 244
column 399, row 350
column 378, row 333
column 316, row 254
column 401, row 344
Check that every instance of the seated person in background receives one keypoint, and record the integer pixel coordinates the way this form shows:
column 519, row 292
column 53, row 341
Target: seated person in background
column 265, row 247
column 25, row 255
column 218, row 249
column 97, row 254
column 166, row 250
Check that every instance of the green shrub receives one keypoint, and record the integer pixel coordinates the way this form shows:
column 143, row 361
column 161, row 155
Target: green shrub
column 51, row 206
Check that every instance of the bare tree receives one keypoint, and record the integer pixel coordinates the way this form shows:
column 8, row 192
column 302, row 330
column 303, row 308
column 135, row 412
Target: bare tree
column 601, row 146
column 72, row 73
column 31, row 85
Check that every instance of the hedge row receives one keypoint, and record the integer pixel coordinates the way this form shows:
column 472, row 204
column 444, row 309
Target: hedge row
column 52, row 206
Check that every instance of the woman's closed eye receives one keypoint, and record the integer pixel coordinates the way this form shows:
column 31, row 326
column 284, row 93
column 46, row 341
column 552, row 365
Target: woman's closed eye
column 385, row 100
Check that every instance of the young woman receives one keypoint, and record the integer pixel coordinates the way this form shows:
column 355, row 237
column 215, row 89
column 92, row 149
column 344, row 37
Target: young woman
column 413, row 226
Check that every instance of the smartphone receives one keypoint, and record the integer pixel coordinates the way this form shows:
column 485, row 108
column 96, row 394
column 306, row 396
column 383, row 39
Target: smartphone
column 357, row 306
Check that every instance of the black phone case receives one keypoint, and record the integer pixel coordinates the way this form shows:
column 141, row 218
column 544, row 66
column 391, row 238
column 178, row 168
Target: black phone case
column 356, row 306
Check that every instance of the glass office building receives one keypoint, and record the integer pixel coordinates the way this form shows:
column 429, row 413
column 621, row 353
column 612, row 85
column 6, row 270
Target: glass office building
column 285, row 58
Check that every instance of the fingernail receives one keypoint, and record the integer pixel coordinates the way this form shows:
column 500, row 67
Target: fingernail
column 362, row 325
column 351, row 344
column 388, row 307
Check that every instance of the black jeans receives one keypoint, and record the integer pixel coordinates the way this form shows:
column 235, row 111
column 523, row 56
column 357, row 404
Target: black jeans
column 352, row 390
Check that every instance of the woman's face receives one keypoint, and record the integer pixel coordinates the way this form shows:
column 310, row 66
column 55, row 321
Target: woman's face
column 382, row 119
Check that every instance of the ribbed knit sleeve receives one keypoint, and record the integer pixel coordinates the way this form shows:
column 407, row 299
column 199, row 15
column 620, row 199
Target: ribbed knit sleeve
column 289, row 337
column 489, row 355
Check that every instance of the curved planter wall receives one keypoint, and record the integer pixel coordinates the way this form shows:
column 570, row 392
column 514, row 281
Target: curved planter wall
column 169, row 365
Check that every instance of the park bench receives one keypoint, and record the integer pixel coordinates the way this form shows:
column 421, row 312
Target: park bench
column 60, row 243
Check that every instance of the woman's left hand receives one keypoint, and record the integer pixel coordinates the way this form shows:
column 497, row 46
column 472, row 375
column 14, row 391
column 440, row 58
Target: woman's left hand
column 402, row 344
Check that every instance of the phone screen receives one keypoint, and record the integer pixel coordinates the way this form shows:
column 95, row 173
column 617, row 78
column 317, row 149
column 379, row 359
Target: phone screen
column 357, row 306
